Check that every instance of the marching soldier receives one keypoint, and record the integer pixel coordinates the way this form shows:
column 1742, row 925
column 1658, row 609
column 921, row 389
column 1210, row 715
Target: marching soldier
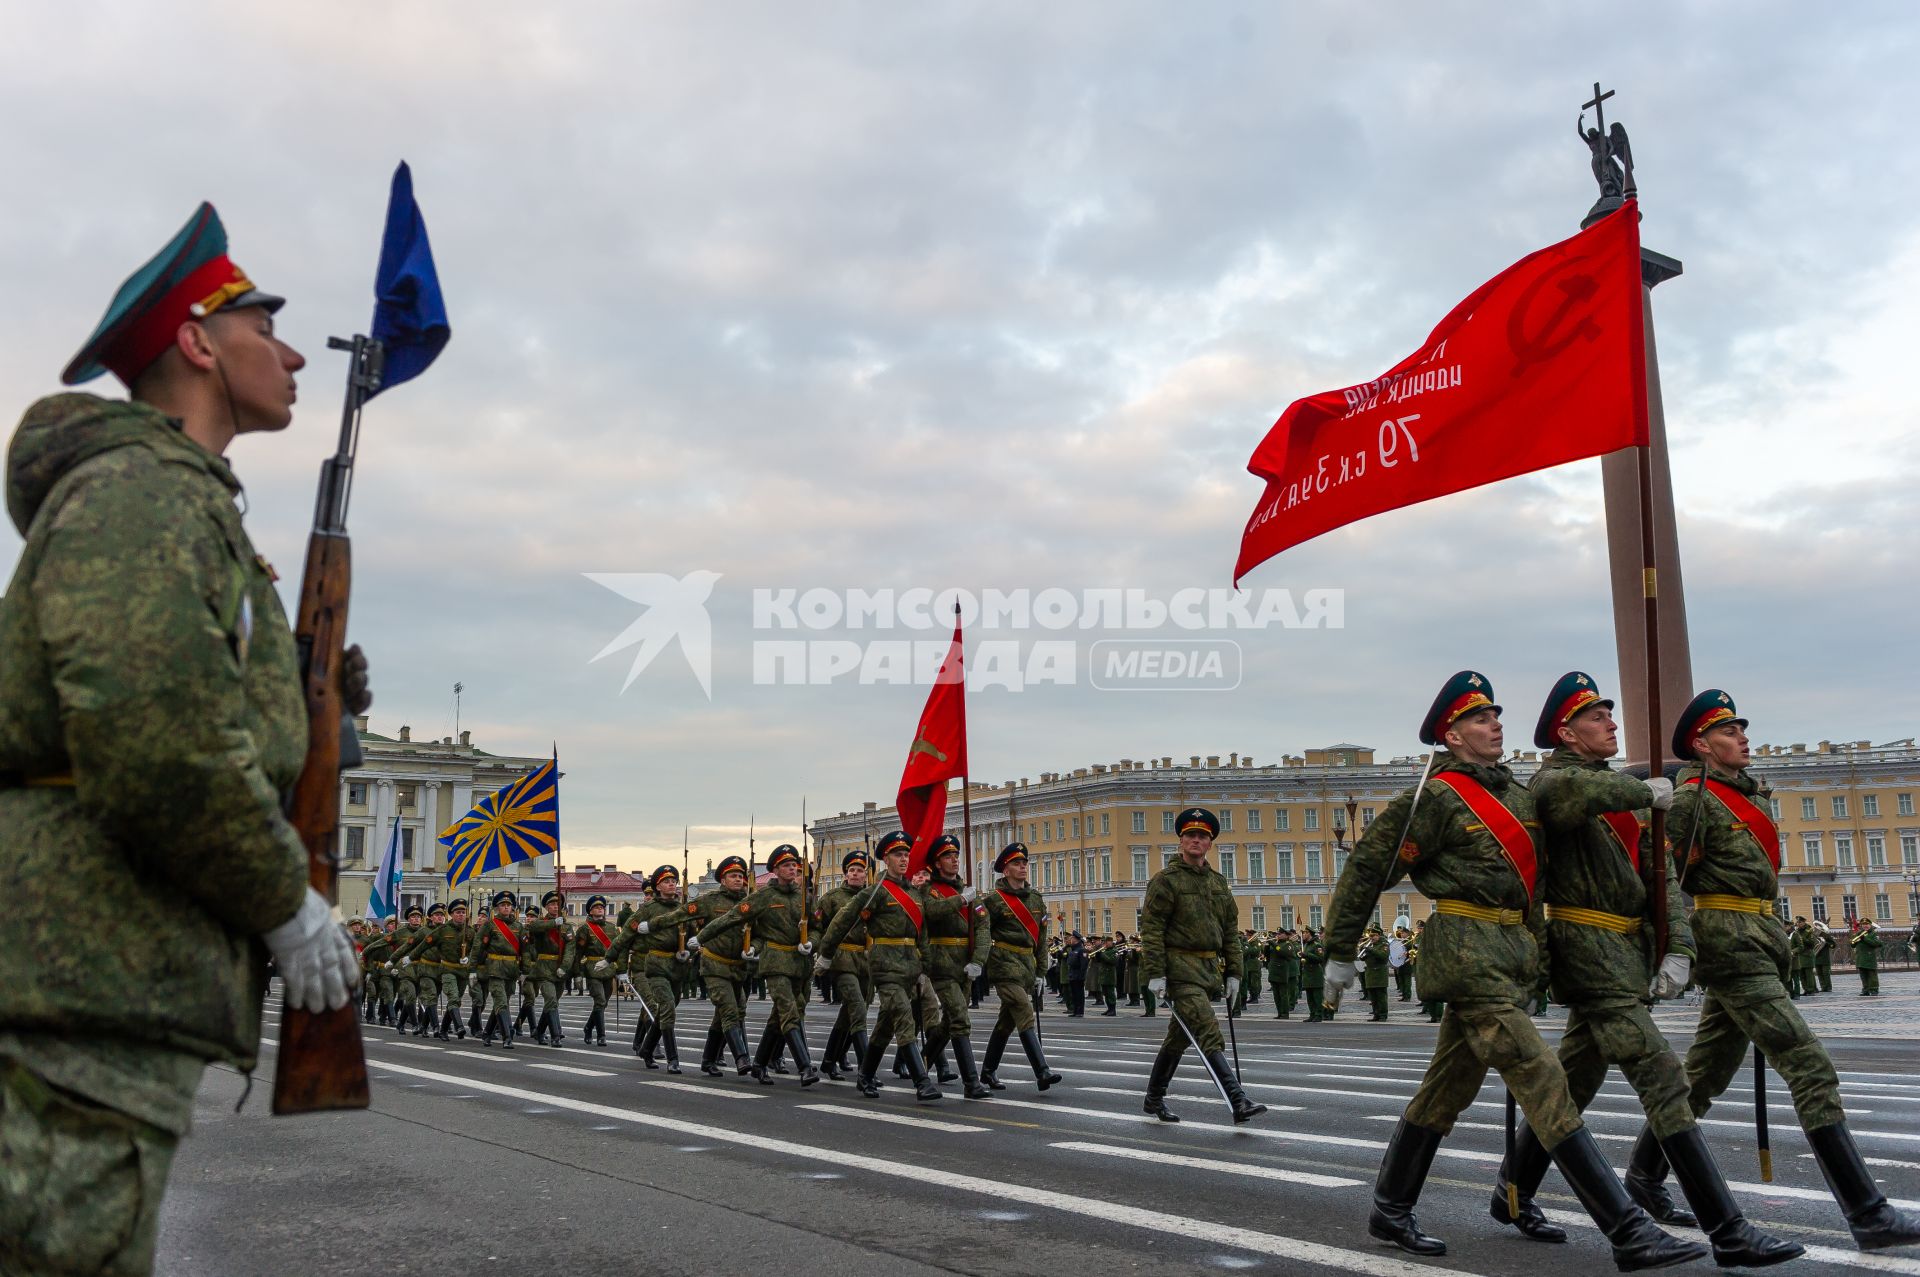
column 547, row 941
column 1283, row 966
column 1866, row 958
column 1313, row 965
column 1823, row 957
column 852, row 985
column 776, row 916
column 1252, row 960
column 1374, row 979
column 435, row 956
column 1189, row 926
column 1598, row 866
column 589, row 951
column 1799, row 958
column 657, row 947
column 406, row 983
column 895, row 914
column 1017, row 916
column 957, row 946
column 376, row 951
column 723, row 967
column 495, row 959
column 1105, row 976
column 1730, row 865
column 1470, row 846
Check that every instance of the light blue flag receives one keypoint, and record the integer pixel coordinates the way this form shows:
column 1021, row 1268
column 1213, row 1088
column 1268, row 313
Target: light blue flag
column 385, row 900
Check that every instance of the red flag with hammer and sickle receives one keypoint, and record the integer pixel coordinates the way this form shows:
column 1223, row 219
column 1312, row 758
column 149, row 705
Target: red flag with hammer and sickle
column 1544, row 364
column 937, row 755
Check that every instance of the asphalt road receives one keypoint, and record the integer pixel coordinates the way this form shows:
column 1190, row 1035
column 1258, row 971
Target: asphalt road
column 474, row 1159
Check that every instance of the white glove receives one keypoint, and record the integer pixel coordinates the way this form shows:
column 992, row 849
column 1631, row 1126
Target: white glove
column 804, row 947
column 822, row 964
column 1233, row 987
column 747, row 955
column 1340, row 977
column 314, row 956
column 1671, row 980
column 969, row 893
column 406, row 962
column 602, row 967
column 1662, row 792
column 693, row 945
column 973, row 970
column 642, row 927
column 1157, row 986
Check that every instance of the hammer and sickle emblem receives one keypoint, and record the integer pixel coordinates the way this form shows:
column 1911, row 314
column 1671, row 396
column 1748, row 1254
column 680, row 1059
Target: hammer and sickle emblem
column 922, row 745
column 1561, row 329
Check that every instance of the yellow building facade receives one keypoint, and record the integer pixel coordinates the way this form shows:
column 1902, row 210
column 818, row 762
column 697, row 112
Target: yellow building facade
column 1097, row 834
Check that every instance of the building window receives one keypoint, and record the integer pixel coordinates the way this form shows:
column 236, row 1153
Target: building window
column 1882, row 910
column 1849, row 907
column 406, row 848
column 1839, row 806
column 1226, row 820
column 1256, row 864
column 411, row 900
column 1910, row 849
column 1773, row 804
column 1106, row 866
column 1819, row 908
column 404, row 795
column 1876, row 852
column 1808, row 809
column 1106, row 921
column 1253, row 820
column 1139, row 822
column 1286, row 917
column 357, row 793
column 1810, row 846
column 1313, row 916
column 1259, row 917
column 1904, row 804
column 353, row 843
column 1104, row 830
column 1166, row 822
column 1139, row 864
column 1366, row 817
column 1784, row 909
column 1869, row 804
column 1283, row 863
column 1313, row 819
column 1046, row 874
column 1280, row 825
column 1073, row 871
column 1076, row 826
column 1843, row 850
column 1339, row 861
column 1226, row 864
column 1313, row 864
column 1913, row 904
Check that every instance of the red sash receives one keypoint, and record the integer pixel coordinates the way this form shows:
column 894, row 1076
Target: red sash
column 1023, row 916
column 905, row 900
column 507, row 931
column 599, row 935
column 1506, row 828
column 1625, row 826
column 1747, row 815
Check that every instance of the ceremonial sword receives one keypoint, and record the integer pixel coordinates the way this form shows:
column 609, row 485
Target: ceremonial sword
column 1204, row 1061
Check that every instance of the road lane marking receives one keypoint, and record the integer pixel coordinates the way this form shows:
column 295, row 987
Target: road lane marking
column 1880, row 1161
column 568, row 1068
column 1295, row 1249
column 1307, row 1178
column 898, row 1119
column 1878, row 1263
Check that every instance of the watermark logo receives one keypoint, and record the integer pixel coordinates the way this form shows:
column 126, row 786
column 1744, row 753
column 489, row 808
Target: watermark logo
column 1164, row 665
column 676, row 608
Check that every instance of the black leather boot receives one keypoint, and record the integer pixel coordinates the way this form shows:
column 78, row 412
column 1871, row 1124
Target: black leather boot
column 1875, row 1223
column 870, row 1059
column 737, row 1043
column 473, row 1021
column 763, row 1056
column 403, row 1013
column 996, row 1047
column 487, row 1038
column 830, row 1054
column 366, row 1009
column 423, row 1020
column 797, row 1043
column 710, row 1057
column 1646, row 1173
column 858, row 1040
column 650, row 1039
column 1524, row 1172
column 554, row 1036
column 672, row 1048
column 937, row 1059
column 600, row 1023
column 1736, row 1243
column 448, row 1019
column 525, row 1017
column 1160, row 1078
column 1397, row 1188
column 1244, row 1109
column 586, row 1030
column 1638, row 1242
column 969, row 1075
column 1037, row 1057
column 924, row 1087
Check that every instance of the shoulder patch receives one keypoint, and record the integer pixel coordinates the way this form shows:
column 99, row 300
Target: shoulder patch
column 744, row 907
column 1409, row 851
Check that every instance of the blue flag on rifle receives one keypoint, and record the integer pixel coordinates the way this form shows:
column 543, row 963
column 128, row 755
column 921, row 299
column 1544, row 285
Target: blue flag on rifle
column 517, row 823
column 409, row 315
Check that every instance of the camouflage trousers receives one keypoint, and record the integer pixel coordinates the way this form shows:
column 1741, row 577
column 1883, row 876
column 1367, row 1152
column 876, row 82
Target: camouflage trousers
column 80, row 1184
column 1756, row 1009
column 498, row 989
column 789, row 1011
column 1624, row 1034
column 729, row 997
column 1477, row 1036
column 853, row 991
column 927, row 1004
column 894, row 1022
column 452, row 987
column 546, row 983
column 951, row 993
column 599, row 988
column 1191, row 1006
column 1016, row 1006
column 656, row 992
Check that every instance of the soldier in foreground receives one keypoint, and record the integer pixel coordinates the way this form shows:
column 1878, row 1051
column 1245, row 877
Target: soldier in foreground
column 956, row 952
column 1598, row 902
column 1471, row 847
column 547, row 942
column 151, row 716
column 776, row 916
column 657, row 947
column 852, row 985
column 1730, row 865
column 1190, row 938
column 1017, row 916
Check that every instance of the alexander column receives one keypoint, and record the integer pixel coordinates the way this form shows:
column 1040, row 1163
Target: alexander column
column 1620, row 479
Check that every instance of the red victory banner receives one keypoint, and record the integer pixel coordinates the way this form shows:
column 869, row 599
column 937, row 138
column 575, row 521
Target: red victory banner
column 1545, row 363
column 937, row 755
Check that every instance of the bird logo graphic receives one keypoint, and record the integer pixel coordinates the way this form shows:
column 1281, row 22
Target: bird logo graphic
column 676, row 608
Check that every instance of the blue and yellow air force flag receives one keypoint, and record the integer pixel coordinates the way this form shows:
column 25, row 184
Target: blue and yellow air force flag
column 509, row 825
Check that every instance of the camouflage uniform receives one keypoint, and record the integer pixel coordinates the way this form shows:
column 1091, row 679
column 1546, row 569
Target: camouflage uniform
column 955, row 941
column 590, row 945
column 1313, row 966
column 1866, row 959
column 375, row 952
column 436, row 955
column 652, row 968
column 724, row 973
column 852, row 984
column 495, row 959
column 1374, row 973
column 1013, row 965
column 150, row 718
column 776, row 915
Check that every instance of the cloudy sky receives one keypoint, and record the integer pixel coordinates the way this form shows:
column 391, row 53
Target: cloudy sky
column 987, row 296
